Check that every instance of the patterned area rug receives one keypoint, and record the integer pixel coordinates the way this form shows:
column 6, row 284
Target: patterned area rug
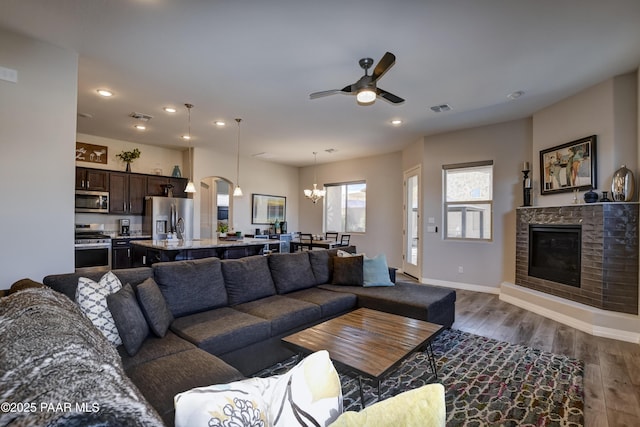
column 487, row 383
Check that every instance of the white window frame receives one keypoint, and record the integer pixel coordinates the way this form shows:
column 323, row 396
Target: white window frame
column 344, row 214
column 466, row 204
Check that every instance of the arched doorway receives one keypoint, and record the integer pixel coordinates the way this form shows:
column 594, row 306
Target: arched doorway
column 216, row 207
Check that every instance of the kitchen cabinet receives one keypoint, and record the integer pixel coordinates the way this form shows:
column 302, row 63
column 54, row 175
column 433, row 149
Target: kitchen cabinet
column 126, row 193
column 121, row 252
column 92, row 179
column 156, row 185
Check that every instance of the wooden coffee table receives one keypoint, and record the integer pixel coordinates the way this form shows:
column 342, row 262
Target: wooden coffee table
column 368, row 342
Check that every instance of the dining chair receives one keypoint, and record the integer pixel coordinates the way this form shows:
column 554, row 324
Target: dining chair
column 344, row 239
column 330, row 235
column 305, row 241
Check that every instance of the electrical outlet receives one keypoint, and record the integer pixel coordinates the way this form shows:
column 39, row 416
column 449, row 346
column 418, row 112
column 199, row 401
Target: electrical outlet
column 460, row 269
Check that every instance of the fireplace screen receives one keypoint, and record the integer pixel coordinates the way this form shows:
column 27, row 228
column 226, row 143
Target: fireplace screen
column 554, row 253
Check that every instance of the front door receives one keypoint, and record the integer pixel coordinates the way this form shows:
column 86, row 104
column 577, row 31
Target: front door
column 411, row 259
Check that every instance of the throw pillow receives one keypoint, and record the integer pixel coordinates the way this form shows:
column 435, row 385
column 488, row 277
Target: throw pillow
column 310, row 391
column 348, row 270
column 375, row 272
column 92, row 299
column 420, row 407
column 154, row 307
column 130, row 321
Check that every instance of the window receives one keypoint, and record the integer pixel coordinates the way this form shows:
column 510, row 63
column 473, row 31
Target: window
column 345, row 207
column 468, row 200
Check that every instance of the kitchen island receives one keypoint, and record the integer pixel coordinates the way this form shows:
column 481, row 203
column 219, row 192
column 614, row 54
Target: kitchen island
column 148, row 252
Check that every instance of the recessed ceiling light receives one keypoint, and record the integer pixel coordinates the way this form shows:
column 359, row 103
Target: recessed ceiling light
column 187, row 137
column 85, row 115
column 169, row 109
column 219, row 123
column 515, row 95
column 104, row 92
column 140, row 127
column 396, row 122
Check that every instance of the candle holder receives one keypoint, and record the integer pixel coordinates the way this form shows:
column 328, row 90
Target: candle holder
column 526, row 189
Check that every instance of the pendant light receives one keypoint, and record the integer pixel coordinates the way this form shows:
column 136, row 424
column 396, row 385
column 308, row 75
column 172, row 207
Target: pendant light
column 237, row 192
column 315, row 194
column 190, row 188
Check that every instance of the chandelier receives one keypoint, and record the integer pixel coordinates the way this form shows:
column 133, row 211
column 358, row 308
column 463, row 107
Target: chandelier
column 315, row 194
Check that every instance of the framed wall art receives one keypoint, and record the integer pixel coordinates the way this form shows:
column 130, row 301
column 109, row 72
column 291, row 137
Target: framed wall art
column 569, row 167
column 91, row 153
column 266, row 209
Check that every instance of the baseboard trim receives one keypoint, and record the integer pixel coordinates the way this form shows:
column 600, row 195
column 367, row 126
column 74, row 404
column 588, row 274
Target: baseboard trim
column 460, row 285
column 521, row 297
column 599, row 317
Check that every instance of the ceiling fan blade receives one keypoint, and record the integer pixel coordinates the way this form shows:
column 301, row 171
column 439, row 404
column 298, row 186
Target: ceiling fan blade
column 383, row 66
column 324, row 93
column 389, row 97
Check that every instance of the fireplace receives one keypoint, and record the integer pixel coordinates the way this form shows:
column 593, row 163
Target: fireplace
column 554, row 253
column 595, row 246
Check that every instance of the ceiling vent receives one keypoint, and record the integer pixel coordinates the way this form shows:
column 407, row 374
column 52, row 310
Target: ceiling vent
column 441, row 108
column 141, row 116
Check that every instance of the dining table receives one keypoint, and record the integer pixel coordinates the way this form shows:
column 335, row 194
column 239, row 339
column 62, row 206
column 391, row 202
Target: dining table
column 320, row 243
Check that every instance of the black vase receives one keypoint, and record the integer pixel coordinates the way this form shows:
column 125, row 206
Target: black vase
column 604, row 197
column 590, row 196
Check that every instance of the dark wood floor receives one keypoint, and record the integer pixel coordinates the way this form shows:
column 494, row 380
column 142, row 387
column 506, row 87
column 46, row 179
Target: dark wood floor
column 612, row 368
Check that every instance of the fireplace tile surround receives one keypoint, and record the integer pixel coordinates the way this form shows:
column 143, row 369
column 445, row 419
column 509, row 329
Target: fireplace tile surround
column 609, row 253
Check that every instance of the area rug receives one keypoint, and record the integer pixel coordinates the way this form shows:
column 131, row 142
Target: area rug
column 487, row 383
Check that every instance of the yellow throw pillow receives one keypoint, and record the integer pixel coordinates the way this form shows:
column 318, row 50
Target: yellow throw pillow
column 421, row 407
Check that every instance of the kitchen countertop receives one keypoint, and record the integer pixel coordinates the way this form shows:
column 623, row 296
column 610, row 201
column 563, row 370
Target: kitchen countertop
column 177, row 245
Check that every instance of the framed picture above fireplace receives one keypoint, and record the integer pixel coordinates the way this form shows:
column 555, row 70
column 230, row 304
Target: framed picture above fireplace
column 569, row 167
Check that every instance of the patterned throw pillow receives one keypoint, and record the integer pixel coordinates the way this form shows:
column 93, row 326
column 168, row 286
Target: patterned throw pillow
column 92, row 299
column 310, row 391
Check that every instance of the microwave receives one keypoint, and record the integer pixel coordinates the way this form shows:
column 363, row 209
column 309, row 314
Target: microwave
column 92, row 201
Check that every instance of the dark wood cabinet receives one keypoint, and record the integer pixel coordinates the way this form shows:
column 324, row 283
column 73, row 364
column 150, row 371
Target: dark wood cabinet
column 92, row 179
column 156, row 186
column 126, row 193
column 122, row 252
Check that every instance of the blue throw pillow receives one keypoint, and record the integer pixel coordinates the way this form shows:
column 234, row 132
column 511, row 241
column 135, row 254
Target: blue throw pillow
column 375, row 272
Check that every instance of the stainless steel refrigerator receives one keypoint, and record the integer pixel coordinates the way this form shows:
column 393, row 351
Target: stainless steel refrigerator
column 165, row 215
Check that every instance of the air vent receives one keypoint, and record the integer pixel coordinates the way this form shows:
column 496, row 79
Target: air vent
column 141, row 116
column 330, row 150
column 441, row 108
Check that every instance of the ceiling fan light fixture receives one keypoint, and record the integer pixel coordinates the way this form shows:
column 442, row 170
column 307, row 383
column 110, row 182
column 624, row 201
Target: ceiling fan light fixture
column 366, row 96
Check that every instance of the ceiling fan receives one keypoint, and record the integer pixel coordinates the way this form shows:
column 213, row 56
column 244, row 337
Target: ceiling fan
column 365, row 89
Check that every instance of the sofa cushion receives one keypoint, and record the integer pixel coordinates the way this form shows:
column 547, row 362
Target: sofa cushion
column 321, row 265
column 161, row 379
column 131, row 324
column 154, row 348
column 222, row 330
column 291, row 272
column 347, row 271
column 91, row 296
column 284, row 313
column 191, row 286
column 375, row 272
column 331, row 303
column 154, row 307
column 68, row 282
column 423, row 302
column 308, row 394
column 247, row 279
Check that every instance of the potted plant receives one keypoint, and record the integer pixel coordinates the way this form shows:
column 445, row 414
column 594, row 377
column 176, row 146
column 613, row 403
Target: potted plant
column 223, row 227
column 128, row 157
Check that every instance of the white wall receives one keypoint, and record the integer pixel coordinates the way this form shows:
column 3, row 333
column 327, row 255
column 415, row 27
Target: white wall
column 484, row 263
column 608, row 110
column 151, row 158
column 256, row 176
column 383, row 175
column 37, row 138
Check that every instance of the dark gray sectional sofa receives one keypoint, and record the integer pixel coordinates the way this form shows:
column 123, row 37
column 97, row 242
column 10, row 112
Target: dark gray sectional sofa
column 230, row 315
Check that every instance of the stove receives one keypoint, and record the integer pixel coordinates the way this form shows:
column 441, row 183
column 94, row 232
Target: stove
column 92, row 248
